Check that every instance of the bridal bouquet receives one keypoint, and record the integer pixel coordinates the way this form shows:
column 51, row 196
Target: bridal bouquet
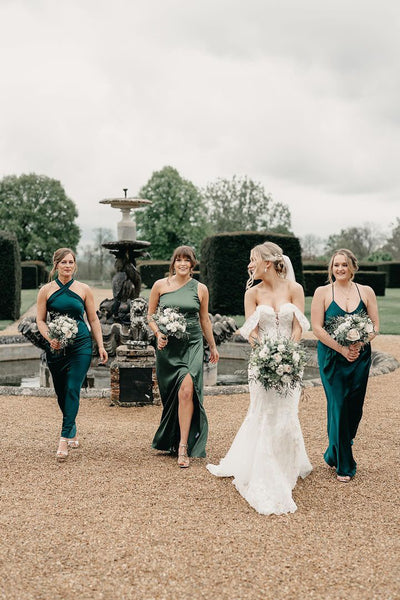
column 63, row 329
column 278, row 364
column 170, row 322
column 349, row 329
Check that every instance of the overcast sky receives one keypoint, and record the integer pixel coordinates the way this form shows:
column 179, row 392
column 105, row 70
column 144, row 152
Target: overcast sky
column 302, row 96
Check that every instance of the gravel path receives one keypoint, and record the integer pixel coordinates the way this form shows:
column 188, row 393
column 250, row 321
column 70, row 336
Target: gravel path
column 121, row 521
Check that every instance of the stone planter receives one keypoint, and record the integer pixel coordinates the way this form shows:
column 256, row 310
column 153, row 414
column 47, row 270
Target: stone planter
column 210, row 371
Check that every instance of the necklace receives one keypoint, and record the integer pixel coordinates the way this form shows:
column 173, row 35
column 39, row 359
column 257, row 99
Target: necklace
column 347, row 291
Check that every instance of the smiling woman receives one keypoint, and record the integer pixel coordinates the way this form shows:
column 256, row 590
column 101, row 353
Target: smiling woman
column 344, row 369
column 183, row 428
column 66, row 300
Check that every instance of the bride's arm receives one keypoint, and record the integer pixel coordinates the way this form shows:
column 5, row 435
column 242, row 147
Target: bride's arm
column 250, row 306
column 299, row 302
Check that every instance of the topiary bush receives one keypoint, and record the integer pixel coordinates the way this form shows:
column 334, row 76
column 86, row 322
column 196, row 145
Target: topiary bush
column 29, row 277
column 314, row 279
column 223, row 265
column 10, row 277
column 151, row 270
column 392, row 270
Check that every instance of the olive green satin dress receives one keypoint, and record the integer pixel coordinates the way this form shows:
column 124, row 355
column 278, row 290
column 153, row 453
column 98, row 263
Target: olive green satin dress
column 174, row 362
column 68, row 367
column 345, row 385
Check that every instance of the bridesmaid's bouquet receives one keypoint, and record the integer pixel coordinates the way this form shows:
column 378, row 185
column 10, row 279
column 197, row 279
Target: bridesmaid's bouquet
column 63, row 329
column 277, row 364
column 350, row 329
column 171, row 322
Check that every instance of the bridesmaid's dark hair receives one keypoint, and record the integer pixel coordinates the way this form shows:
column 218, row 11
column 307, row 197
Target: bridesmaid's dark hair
column 182, row 252
column 58, row 256
column 352, row 263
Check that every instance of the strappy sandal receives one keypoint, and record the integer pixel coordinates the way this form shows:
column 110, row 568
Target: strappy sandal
column 73, row 443
column 343, row 478
column 62, row 454
column 183, row 458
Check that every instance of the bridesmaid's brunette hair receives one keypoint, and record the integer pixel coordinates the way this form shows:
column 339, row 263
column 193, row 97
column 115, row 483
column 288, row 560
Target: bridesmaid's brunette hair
column 268, row 251
column 352, row 263
column 58, row 256
column 182, row 252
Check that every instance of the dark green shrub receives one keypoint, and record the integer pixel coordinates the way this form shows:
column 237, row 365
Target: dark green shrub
column 314, row 279
column 392, row 270
column 375, row 279
column 29, row 277
column 10, row 276
column 151, row 270
column 223, row 265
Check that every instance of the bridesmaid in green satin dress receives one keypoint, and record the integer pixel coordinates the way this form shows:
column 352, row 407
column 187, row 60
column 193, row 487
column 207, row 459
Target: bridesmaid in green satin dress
column 68, row 368
column 344, row 370
column 183, row 428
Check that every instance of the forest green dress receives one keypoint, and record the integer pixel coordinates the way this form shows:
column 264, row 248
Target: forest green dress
column 69, row 366
column 174, row 362
column 345, row 385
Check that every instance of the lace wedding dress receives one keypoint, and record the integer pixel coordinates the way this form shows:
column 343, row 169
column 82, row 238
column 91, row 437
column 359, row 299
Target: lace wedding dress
column 268, row 454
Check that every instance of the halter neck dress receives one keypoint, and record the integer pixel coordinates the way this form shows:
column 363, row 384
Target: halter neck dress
column 173, row 363
column 345, row 385
column 69, row 366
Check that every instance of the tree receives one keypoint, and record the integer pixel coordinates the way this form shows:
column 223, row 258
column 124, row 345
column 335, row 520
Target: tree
column 37, row 209
column 362, row 241
column 176, row 217
column 241, row 204
column 104, row 257
column 392, row 245
column 311, row 246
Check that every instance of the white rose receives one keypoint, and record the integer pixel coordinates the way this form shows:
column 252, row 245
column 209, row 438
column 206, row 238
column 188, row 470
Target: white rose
column 278, row 358
column 68, row 334
column 287, row 368
column 369, row 327
column 164, row 320
column 353, row 335
column 263, row 353
column 281, row 348
column 280, row 370
column 296, row 357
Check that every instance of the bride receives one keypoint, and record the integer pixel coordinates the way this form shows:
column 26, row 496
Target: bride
column 268, row 454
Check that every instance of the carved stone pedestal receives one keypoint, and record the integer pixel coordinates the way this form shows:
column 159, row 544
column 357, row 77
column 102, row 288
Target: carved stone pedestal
column 133, row 377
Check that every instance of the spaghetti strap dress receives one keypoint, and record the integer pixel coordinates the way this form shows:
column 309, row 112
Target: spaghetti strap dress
column 345, row 385
column 173, row 363
column 69, row 366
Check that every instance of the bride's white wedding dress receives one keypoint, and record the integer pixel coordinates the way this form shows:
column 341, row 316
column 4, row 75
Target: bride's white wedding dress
column 268, row 454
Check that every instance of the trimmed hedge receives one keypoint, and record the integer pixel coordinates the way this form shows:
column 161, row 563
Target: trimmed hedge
column 29, row 277
column 151, row 270
column 314, row 279
column 392, row 270
column 224, row 260
column 10, row 277
column 375, row 279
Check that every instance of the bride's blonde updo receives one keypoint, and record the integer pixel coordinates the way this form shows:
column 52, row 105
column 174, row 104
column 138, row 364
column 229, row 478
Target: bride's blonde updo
column 268, row 251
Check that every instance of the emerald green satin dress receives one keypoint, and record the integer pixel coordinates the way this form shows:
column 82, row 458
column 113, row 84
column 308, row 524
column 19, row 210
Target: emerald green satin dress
column 345, row 385
column 68, row 367
column 174, row 362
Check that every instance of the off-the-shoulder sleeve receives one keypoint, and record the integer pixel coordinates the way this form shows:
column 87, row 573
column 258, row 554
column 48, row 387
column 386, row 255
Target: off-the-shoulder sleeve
column 302, row 319
column 251, row 323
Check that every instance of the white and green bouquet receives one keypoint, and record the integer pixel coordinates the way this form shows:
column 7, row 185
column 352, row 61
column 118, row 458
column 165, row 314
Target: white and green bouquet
column 171, row 322
column 277, row 364
column 63, row 329
column 350, row 329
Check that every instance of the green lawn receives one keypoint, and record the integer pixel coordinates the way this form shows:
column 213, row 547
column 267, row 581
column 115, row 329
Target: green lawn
column 28, row 297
